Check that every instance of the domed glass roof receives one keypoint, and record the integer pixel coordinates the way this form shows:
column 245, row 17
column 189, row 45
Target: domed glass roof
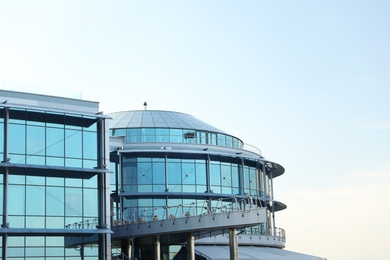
column 158, row 119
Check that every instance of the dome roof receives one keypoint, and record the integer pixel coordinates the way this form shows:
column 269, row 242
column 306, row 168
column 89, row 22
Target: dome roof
column 158, row 119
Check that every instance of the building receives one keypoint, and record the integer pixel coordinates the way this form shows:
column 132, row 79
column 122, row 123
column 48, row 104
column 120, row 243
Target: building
column 77, row 184
column 183, row 189
column 53, row 178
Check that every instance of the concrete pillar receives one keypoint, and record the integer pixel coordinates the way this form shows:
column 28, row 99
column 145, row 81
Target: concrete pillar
column 233, row 244
column 157, row 248
column 190, row 247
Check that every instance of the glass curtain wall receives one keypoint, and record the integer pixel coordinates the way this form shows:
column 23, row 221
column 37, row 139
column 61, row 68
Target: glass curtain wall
column 37, row 196
column 164, row 186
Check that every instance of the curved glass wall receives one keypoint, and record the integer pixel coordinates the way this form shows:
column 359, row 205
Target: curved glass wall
column 167, row 185
column 176, row 135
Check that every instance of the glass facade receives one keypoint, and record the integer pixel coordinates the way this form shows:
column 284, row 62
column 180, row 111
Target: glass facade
column 151, row 184
column 185, row 168
column 175, row 135
column 49, row 181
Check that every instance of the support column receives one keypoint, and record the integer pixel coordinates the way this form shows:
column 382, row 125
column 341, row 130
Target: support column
column 233, row 244
column 5, row 223
column 191, row 247
column 157, row 248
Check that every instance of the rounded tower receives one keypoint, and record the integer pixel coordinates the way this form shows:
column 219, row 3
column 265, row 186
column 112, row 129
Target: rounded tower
column 170, row 166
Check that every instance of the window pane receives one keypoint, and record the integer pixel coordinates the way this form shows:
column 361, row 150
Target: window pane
column 16, row 200
column 73, row 143
column 17, row 138
column 55, row 201
column 35, row 140
column 35, row 200
column 55, row 142
column 90, row 203
column 90, row 145
column 73, row 202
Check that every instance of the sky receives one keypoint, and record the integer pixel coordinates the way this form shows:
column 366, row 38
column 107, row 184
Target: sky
column 305, row 81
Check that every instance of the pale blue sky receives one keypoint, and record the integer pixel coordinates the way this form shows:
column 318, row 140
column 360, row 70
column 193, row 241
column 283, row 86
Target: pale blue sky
column 307, row 82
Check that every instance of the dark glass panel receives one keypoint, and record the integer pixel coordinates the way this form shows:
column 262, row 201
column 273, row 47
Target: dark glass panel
column 73, row 122
column 17, row 116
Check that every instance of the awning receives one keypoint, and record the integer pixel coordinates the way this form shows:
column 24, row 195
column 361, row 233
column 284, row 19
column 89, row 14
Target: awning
column 251, row 253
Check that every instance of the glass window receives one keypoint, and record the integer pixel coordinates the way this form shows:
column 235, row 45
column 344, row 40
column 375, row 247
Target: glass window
column 174, row 175
column 35, row 200
column 16, row 200
column 119, row 132
column 55, row 201
column 159, row 172
column 162, row 135
column 212, row 139
column 73, row 202
column 200, row 172
column 17, row 139
column 175, row 135
column 55, row 144
column 145, row 175
column 90, row 202
column 35, row 140
column 229, row 141
column 90, row 145
column 133, row 135
column 90, row 124
column 73, row 143
column 215, row 177
column 1, row 137
column 221, row 140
